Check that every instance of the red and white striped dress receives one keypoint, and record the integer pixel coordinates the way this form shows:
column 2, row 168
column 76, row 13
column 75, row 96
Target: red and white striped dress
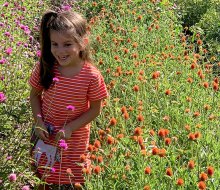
column 77, row 91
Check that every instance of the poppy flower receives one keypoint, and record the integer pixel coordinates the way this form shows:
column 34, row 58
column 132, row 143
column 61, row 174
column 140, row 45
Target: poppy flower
column 136, row 88
column 90, row 148
column 140, row 117
column 203, row 176
column 146, row 187
column 110, row 140
column 191, row 164
column 138, row 131
column 215, row 86
column 155, row 151
column 189, row 80
column 100, row 159
column 169, row 172
column 156, row 74
column 197, row 134
column 69, row 172
column 126, row 115
column 113, row 121
column 168, row 92
column 147, row 170
column 196, row 114
column 180, row 182
column 97, row 170
column 97, row 144
column 191, row 136
column 161, row 133
column 83, row 158
column 210, row 170
column 206, row 84
column 167, row 141
column 77, row 186
column 201, row 185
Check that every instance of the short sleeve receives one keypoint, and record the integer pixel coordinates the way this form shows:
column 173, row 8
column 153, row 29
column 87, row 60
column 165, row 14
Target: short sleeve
column 97, row 88
column 34, row 80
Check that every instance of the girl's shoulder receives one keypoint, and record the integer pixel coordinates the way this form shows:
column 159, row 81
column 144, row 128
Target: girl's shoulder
column 91, row 69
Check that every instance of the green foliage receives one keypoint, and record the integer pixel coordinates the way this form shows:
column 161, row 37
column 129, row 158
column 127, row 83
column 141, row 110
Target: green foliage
column 202, row 17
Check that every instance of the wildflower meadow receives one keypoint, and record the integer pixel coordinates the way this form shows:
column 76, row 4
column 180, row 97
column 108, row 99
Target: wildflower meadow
column 160, row 127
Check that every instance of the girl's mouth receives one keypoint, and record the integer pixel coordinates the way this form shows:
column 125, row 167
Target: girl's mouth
column 63, row 58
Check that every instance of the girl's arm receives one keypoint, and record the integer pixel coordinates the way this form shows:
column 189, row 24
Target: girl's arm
column 35, row 99
column 85, row 118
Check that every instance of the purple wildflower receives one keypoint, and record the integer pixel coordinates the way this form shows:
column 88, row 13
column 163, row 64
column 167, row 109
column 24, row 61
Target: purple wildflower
column 9, row 158
column 2, row 97
column 71, row 108
column 39, row 115
column 7, row 34
column 63, row 144
column 38, row 53
column 2, row 61
column 12, row 177
column 53, row 170
column 26, row 187
column 5, row 4
column 8, row 50
column 55, row 79
column 66, row 7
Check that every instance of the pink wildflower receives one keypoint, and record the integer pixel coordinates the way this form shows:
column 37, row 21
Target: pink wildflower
column 8, row 50
column 26, row 187
column 5, row 4
column 63, row 144
column 2, row 97
column 7, row 34
column 55, row 79
column 38, row 53
column 66, row 7
column 12, row 177
column 2, row 61
column 71, row 108
column 53, row 170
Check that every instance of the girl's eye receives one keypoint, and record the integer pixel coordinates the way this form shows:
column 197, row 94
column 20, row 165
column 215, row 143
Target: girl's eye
column 68, row 44
column 53, row 44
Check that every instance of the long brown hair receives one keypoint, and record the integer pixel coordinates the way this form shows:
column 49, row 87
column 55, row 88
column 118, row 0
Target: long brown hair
column 63, row 21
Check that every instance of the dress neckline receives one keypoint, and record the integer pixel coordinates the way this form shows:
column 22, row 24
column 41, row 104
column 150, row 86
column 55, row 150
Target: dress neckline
column 71, row 77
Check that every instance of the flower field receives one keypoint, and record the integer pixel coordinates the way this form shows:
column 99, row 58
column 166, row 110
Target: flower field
column 159, row 128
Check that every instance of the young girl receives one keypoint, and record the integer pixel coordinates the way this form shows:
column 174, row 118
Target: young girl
column 66, row 95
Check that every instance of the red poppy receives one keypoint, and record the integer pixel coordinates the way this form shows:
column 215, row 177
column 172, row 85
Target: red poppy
column 203, row 176
column 97, row 143
column 97, row 170
column 136, row 88
column 201, row 185
column 83, row 158
column 191, row 164
column 210, row 170
column 113, row 121
column 167, row 141
column 180, row 182
column 155, row 151
column 169, row 171
column 110, row 140
column 140, row 117
column 191, row 136
column 138, row 131
column 147, row 170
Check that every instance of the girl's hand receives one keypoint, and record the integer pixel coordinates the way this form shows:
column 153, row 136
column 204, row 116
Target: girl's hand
column 41, row 132
column 64, row 133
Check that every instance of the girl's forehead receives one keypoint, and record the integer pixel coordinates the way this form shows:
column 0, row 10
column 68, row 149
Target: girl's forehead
column 61, row 35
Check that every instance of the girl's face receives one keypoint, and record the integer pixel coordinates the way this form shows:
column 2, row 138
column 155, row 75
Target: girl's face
column 64, row 48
